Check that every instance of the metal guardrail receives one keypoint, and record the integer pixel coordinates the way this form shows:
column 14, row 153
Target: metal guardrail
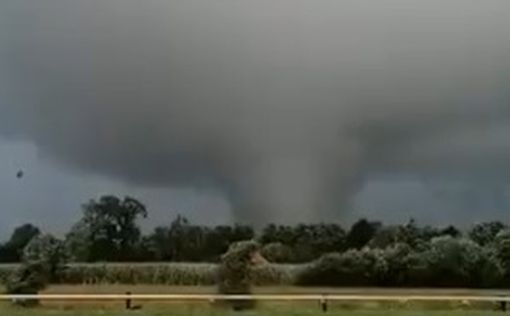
column 256, row 297
column 323, row 299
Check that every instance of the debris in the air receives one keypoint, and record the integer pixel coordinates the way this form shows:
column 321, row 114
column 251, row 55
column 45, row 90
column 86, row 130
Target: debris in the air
column 20, row 174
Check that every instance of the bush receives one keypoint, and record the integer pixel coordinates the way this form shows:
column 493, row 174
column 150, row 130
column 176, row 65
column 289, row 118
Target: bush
column 277, row 252
column 385, row 237
column 275, row 274
column 49, row 253
column 43, row 260
column 502, row 250
column 396, row 265
column 351, row 268
column 454, row 262
column 235, row 275
column 444, row 261
column 447, row 262
column 485, row 233
column 30, row 278
column 6, row 271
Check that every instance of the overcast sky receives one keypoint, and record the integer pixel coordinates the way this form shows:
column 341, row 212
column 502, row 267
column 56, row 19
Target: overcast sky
column 50, row 196
column 256, row 111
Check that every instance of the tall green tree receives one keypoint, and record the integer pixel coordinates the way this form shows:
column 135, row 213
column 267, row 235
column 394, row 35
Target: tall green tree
column 221, row 237
column 386, row 237
column 183, row 241
column 79, row 242
column 361, row 233
column 485, row 233
column 307, row 241
column 13, row 249
column 108, row 230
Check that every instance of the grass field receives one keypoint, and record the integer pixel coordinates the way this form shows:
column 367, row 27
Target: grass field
column 191, row 311
column 169, row 289
column 369, row 308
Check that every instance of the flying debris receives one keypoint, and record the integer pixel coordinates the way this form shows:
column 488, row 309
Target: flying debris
column 20, row 174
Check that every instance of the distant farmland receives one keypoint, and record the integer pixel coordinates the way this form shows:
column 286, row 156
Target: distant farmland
column 203, row 274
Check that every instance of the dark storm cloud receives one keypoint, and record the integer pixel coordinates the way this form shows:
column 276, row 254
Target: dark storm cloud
column 287, row 106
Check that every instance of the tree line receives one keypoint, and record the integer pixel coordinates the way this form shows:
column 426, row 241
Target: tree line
column 109, row 231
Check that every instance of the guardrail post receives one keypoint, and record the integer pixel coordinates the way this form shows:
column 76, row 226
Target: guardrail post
column 128, row 301
column 324, row 304
column 502, row 306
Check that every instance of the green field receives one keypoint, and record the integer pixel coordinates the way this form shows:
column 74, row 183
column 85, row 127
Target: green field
column 287, row 311
column 369, row 308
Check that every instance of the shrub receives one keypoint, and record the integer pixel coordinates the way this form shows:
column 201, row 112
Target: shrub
column 235, row 275
column 30, row 278
column 49, row 253
column 277, row 252
column 351, row 268
column 444, row 261
column 6, row 271
column 485, row 233
column 397, row 265
column 454, row 262
column 385, row 237
column 43, row 259
column 447, row 262
column 275, row 274
column 502, row 250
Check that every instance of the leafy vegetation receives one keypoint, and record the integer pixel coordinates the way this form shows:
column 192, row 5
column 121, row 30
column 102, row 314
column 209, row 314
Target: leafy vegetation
column 234, row 273
column 43, row 262
column 162, row 273
column 12, row 250
column 108, row 230
column 367, row 254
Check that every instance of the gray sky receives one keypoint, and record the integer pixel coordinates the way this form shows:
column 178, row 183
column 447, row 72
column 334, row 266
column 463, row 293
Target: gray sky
column 286, row 110
column 50, row 197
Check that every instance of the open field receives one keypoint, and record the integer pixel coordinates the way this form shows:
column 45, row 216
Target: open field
column 286, row 311
column 161, row 273
column 361, row 308
column 169, row 289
